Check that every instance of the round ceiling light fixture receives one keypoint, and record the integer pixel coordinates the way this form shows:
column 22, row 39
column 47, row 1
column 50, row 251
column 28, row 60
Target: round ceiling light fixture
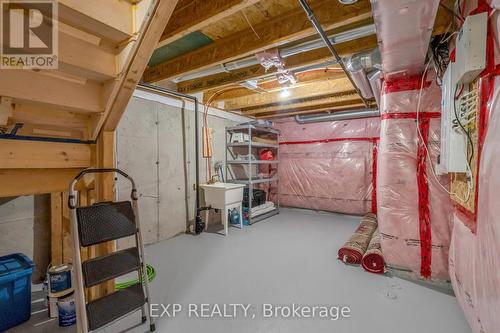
column 285, row 93
column 348, row 2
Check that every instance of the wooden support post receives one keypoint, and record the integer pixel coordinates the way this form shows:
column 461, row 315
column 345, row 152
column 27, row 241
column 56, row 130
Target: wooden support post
column 105, row 190
column 56, row 228
column 66, row 230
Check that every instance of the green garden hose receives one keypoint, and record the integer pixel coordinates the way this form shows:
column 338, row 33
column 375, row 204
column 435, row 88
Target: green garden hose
column 151, row 276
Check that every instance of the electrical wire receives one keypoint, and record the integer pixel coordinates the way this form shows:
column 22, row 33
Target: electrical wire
column 441, row 54
column 469, row 139
column 151, row 276
column 421, row 137
column 250, row 24
column 205, row 124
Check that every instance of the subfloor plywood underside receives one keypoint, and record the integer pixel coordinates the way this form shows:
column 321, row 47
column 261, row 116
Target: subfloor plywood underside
column 289, row 258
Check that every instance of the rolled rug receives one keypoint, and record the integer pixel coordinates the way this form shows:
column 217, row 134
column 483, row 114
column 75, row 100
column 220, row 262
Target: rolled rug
column 353, row 250
column 373, row 260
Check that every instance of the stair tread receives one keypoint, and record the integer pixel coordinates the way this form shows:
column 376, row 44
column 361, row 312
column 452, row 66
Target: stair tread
column 105, row 222
column 107, row 309
column 105, row 268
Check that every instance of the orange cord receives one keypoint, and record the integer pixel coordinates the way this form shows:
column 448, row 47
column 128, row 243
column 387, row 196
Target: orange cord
column 205, row 124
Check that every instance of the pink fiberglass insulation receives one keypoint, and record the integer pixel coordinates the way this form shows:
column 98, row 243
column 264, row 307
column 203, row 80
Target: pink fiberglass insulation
column 414, row 212
column 328, row 165
column 474, row 258
column 404, row 29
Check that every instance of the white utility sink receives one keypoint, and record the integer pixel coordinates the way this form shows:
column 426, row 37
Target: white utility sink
column 224, row 196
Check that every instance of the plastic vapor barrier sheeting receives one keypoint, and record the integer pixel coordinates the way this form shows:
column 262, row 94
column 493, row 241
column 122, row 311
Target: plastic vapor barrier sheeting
column 475, row 258
column 404, row 29
column 329, row 165
column 414, row 212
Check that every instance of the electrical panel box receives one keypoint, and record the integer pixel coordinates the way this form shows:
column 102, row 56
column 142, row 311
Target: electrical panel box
column 453, row 144
column 471, row 48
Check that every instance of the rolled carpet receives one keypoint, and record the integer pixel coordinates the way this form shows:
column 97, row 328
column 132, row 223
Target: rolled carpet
column 353, row 250
column 373, row 260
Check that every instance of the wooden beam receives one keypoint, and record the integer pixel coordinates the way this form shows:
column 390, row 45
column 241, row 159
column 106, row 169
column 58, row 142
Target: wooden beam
column 56, row 237
column 198, row 14
column 222, row 80
column 105, row 189
column 67, row 241
column 340, row 107
column 17, row 182
column 33, row 87
column 311, row 103
column 37, row 115
column 306, row 91
column 37, row 120
column 110, row 19
column 273, row 85
column 79, row 57
column 6, row 107
column 290, row 26
column 83, row 55
column 296, row 61
column 444, row 19
column 17, row 154
column 121, row 92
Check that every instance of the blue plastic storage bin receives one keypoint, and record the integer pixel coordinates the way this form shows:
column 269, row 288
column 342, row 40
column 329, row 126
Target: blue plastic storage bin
column 15, row 290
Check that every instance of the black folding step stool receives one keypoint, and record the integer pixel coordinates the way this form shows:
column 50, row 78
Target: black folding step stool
column 96, row 224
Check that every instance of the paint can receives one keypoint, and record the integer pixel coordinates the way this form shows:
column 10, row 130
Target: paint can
column 59, row 278
column 67, row 310
column 52, row 307
column 50, row 301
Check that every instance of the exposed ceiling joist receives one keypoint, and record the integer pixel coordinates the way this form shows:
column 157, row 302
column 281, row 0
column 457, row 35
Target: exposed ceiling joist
column 341, row 106
column 324, row 74
column 306, row 91
column 290, row 26
column 198, row 14
column 323, row 103
column 294, row 62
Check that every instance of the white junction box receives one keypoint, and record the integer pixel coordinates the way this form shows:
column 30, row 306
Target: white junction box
column 453, row 144
column 471, row 48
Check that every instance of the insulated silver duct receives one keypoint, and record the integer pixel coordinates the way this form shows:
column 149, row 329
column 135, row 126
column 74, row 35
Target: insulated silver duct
column 375, row 78
column 328, row 43
column 361, row 63
column 285, row 52
column 342, row 115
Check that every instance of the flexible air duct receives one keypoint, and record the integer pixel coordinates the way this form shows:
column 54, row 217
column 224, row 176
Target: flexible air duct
column 342, row 115
column 358, row 65
column 375, row 78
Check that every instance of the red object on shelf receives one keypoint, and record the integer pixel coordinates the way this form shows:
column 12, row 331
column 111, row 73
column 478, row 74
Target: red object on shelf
column 267, row 155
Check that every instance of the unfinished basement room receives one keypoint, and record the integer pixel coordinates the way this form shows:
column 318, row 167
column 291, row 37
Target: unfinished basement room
column 249, row 166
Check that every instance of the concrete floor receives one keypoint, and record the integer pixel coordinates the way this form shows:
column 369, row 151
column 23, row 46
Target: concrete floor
column 289, row 258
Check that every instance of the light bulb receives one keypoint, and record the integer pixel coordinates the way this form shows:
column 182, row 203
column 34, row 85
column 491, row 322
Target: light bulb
column 285, row 93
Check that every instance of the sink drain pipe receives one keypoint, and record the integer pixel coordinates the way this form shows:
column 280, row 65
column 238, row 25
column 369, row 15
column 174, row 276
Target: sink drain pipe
column 199, row 224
